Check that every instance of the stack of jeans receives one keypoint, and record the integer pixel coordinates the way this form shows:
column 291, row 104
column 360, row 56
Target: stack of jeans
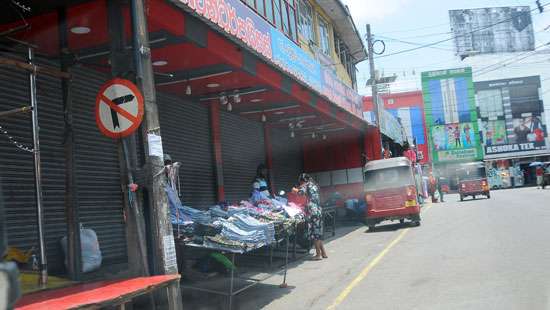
column 217, row 211
column 246, row 229
column 198, row 216
column 248, row 223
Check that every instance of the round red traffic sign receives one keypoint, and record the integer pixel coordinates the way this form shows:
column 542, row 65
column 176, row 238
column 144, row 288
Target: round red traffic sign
column 118, row 108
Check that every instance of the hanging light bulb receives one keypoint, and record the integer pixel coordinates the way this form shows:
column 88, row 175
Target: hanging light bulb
column 188, row 90
column 313, row 135
column 229, row 107
column 237, row 98
column 324, row 137
column 223, row 100
column 264, row 118
column 292, row 134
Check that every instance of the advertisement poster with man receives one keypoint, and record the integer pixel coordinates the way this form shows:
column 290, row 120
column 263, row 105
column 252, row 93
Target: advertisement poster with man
column 451, row 115
column 511, row 117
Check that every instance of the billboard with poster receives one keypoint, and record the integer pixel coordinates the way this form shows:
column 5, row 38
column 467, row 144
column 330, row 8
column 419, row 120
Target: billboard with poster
column 451, row 115
column 511, row 117
column 492, row 30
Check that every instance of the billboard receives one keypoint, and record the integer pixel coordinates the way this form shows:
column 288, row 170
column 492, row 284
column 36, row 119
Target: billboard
column 492, row 30
column 451, row 115
column 511, row 117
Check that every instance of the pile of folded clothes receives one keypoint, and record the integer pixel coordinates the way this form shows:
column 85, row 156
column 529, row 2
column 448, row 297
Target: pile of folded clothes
column 243, row 226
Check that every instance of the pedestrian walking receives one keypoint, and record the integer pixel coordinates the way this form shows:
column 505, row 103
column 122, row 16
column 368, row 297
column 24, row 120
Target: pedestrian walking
column 540, row 176
column 432, row 187
column 314, row 217
column 439, row 185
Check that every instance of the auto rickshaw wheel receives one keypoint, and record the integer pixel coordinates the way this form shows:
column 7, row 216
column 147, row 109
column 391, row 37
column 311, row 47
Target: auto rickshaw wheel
column 461, row 198
column 474, row 197
column 488, row 195
column 371, row 228
column 402, row 221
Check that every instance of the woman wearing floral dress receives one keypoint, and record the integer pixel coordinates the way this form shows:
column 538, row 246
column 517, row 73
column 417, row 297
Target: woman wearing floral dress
column 314, row 219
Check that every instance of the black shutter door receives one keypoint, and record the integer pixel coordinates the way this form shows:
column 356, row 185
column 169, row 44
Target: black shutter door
column 242, row 151
column 185, row 129
column 97, row 170
column 16, row 166
column 287, row 159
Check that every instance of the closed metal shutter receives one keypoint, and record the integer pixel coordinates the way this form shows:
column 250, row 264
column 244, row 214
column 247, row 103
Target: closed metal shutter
column 16, row 166
column 287, row 159
column 185, row 128
column 242, row 151
column 99, row 195
column 97, row 170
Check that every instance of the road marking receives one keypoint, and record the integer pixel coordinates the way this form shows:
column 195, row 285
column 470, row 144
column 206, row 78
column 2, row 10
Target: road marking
column 344, row 294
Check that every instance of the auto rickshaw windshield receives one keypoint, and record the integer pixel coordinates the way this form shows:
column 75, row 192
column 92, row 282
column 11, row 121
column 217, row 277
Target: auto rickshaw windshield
column 471, row 173
column 388, row 178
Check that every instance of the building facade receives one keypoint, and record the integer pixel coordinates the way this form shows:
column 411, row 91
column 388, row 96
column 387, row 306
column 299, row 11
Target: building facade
column 408, row 107
column 233, row 84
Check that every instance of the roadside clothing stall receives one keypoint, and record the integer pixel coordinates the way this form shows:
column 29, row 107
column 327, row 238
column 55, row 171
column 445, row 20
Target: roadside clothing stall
column 225, row 230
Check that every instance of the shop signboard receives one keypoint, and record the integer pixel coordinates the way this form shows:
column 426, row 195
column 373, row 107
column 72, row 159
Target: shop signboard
column 511, row 117
column 338, row 92
column 237, row 19
column 451, row 115
column 294, row 60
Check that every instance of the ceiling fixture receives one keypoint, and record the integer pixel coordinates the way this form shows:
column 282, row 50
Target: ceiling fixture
column 212, row 85
column 237, row 98
column 324, row 137
column 279, row 113
column 245, row 92
column 195, row 78
column 292, row 134
column 313, row 135
column 160, row 63
column 223, row 99
column 229, row 107
column 188, row 90
column 270, row 110
column 264, row 118
column 80, row 30
column 256, row 100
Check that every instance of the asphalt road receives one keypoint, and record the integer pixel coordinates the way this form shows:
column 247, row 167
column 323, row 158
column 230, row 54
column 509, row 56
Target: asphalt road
column 482, row 254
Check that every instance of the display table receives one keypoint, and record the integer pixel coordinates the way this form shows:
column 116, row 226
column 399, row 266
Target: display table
column 231, row 291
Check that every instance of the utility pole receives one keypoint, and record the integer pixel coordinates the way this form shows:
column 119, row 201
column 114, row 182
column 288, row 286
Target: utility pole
column 163, row 248
column 370, row 50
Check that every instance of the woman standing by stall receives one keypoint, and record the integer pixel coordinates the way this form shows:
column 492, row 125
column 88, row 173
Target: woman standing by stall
column 314, row 216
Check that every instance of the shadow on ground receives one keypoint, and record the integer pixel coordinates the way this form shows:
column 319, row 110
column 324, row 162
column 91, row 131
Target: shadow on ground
column 254, row 266
column 391, row 227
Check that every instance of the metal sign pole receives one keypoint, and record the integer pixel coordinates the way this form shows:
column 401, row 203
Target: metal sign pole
column 37, row 171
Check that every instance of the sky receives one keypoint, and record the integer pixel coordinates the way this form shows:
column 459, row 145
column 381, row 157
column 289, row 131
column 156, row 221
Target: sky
column 421, row 22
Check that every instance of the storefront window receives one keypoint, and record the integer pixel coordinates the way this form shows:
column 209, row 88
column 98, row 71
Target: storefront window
column 292, row 20
column 269, row 10
column 324, row 41
column 278, row 13
column 260, row 7
column 306, row 21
